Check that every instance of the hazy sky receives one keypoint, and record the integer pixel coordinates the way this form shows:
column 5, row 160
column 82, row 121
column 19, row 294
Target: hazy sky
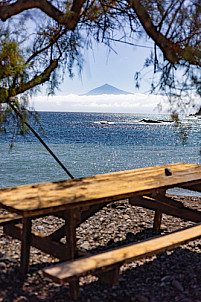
column 101, row 67
column 117, row 69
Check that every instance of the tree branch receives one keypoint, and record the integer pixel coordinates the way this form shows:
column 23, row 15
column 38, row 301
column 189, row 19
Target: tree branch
column 15, row 108
column 9, row 10
column 77, row 6
column 37, row 80
column 53, row 40
column 69, row 19
column 172, row 51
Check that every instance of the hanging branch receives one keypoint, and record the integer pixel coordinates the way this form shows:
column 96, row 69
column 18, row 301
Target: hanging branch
column 40, row 139
column 172, row 51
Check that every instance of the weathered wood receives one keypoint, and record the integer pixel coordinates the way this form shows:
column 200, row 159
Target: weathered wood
column 167, row 206
column 72, row 217
column 110, row 275
column 25, row 247
column 157, row 221
column 194, row 187
column 58, row 234
column 63, row 272
column 39, row 241
column 50, row 197
column 9, row 218
column 74, row 291
column 94, row 191
column 158, row 214
column 85, row 214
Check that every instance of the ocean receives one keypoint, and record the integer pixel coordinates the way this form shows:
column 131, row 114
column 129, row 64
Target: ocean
column 96, row 143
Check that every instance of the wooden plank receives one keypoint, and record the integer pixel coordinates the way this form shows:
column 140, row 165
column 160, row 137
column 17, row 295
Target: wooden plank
column 57, row 196
column 45, row 244
column 58, row 234
column 195, row 187
column 90, row 211
column 167, row 206
column 85, row 213
column 9, row 218
column 62, row 272
column 110, row 275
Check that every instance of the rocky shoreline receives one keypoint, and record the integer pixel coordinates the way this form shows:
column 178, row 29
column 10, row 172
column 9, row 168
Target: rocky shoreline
column 170, row 276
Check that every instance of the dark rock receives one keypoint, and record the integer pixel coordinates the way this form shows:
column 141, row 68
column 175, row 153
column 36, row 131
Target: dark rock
column 177, row 285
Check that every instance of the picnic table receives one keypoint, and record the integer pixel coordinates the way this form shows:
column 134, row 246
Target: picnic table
column 78, row 199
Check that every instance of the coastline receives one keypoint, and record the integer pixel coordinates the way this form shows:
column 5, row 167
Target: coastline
column 171, row 276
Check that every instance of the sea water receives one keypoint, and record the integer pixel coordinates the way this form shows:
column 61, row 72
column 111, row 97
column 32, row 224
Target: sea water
column 96, row 143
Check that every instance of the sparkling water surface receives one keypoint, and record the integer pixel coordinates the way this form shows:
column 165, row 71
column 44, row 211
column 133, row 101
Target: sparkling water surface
column 96, row 143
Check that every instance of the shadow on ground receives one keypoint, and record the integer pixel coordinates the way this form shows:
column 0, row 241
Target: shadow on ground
column 171, row 276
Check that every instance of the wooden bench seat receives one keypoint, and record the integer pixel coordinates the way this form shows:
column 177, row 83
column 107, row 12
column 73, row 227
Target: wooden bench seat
column 106, row 265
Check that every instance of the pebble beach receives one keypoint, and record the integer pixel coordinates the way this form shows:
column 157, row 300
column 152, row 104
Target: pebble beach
column 169, row 276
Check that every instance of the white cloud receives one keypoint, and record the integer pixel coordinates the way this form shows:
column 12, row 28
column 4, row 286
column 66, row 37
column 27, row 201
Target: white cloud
column 133, row 103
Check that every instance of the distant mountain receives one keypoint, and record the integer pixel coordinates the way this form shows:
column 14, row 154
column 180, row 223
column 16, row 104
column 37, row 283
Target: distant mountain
column 198, row 113
column 106, row 89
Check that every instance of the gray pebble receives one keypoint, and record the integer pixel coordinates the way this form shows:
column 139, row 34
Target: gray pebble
column 85, row 245
column 2, row 265
column 177, row 285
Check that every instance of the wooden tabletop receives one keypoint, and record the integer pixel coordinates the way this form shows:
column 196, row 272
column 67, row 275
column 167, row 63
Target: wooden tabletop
column 47, row 198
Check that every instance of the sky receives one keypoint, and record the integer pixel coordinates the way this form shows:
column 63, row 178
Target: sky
column 100, row 67
column 117, row 69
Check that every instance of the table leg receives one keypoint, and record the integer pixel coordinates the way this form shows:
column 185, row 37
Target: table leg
column 157, row 221
column 71, row 220
column 70, row 231
column 25, row 247
column 158, row 214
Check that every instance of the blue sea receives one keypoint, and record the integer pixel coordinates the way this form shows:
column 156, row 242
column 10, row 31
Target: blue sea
column 96, row 143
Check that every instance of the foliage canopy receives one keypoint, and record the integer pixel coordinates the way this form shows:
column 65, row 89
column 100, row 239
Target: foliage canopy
column 40, row 37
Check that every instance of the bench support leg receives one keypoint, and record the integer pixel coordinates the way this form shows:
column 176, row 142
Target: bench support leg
column 74, row 290
column 110, row 276
column 25, row 247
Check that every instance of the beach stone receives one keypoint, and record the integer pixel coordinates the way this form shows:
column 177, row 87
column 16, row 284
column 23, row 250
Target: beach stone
column 22, row 299
column 6, row 259
column 141, row 298
column 2, row 265
column 85, row 245
column 40, row 228
column 177, row 285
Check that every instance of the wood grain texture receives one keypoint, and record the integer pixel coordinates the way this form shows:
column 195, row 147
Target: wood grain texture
column 49, row 197
column 38, row 240
column 25, row 246
column 9, row 218
column 62, row 272
column 168, row 206
column 157, row 221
